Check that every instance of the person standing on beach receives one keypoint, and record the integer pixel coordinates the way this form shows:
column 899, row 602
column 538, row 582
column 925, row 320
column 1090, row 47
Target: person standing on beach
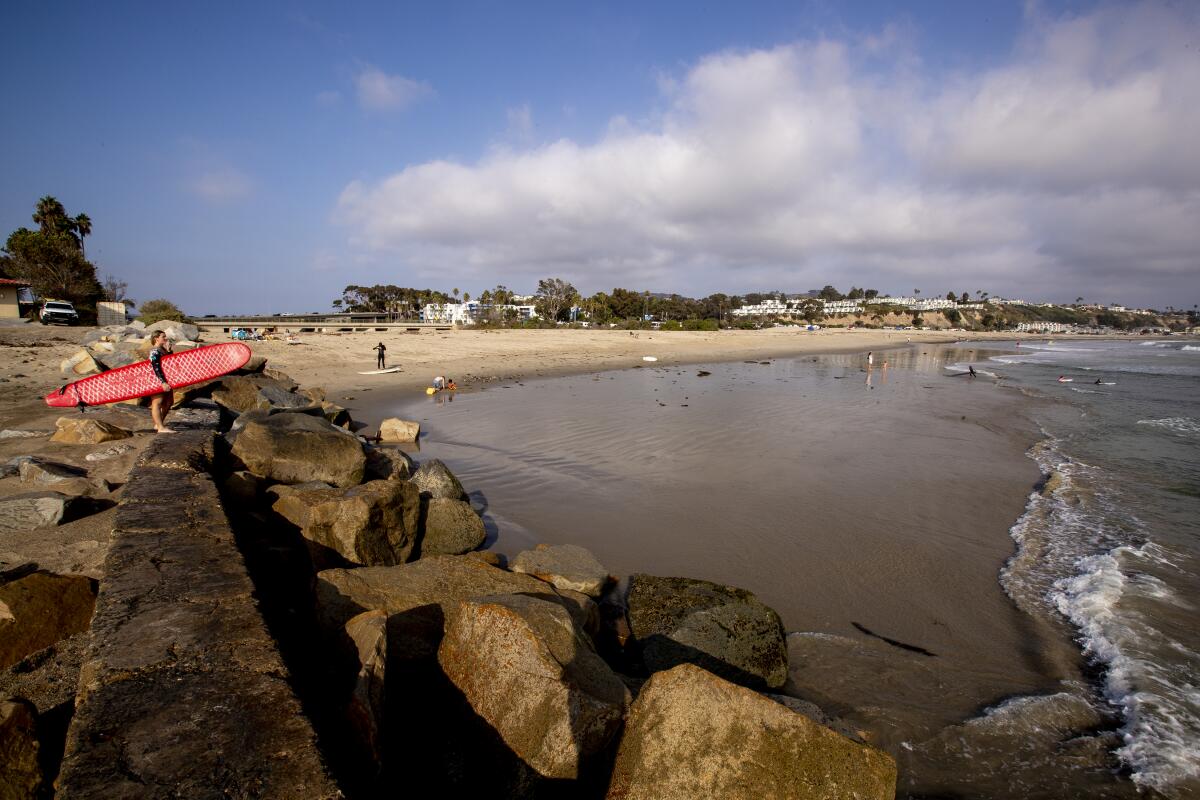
column 870, row 359
column 380, row 352
column 160, row 404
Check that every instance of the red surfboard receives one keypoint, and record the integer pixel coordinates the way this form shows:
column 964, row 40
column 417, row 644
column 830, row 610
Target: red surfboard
column 139, row 380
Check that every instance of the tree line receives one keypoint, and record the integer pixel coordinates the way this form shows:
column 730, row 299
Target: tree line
column 53, row 261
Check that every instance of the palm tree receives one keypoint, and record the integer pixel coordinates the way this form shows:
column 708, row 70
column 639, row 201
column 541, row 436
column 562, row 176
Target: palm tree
column 455, row 294
column 466, row 297
column 50, row 215
column 83, row 227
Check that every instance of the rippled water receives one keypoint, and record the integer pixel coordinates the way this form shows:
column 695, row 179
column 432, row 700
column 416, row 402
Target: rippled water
column 875, row 511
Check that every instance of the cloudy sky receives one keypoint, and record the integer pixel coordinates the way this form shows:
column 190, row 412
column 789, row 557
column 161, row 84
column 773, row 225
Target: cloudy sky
column 259, row 157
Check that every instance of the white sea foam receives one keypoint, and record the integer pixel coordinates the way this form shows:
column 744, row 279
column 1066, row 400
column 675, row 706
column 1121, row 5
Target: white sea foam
column 1159, row 715
column 1190, row 347
column 1183, row 425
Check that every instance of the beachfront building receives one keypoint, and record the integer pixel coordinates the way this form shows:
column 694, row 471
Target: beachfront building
column 842, row 307
column 468, row 313
column 1051, row 327
column 10, row 299
column 771, row 307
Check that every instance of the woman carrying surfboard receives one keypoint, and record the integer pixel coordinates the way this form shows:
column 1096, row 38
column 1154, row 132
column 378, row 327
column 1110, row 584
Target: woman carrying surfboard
column 160, row 404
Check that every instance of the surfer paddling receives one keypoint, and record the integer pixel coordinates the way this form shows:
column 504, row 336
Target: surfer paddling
column 160, row 404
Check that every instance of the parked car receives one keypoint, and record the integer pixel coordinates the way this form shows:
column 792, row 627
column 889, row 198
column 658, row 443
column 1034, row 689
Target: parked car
column 58, row 311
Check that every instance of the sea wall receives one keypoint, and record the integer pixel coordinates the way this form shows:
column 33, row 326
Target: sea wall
column 183, row 691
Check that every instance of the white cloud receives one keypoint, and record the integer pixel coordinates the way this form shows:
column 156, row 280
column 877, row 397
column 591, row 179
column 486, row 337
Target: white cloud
column 222, row 184
column 378, row 91
column 1071, row 163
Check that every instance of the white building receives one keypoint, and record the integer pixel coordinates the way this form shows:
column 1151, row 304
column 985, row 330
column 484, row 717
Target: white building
column 1047, row 327
column 468, row 313
column 842, row 307
column 770, row 307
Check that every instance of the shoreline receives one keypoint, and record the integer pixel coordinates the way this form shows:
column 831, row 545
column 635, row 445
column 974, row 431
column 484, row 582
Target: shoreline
column 477, row 358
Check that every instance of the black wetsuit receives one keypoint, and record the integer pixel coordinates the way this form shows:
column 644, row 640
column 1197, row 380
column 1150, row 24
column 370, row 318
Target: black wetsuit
column 381, row 350
column 156, row 364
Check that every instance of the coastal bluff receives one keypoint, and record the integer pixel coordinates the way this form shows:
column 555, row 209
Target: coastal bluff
column 288, row 610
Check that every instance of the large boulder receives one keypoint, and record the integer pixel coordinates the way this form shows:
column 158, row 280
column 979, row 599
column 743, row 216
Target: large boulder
column 242, row 393
column 39, row 609
column 451, row 528
column 20, row 772
column 435, row 479
column 722, row 628
column 124, row 353
column 176, row 331
column 368, row 635
column 294, row 448
column 567, row 566
column 274, row 397
column 374, row 524
column 387, row 463
column 524, row 668
column 691, row 734
column 399, row 430
column 419, row 595
column 86, row 430
column 336, row 414
column 41, row 472
column 22, row 512
column 80, row 365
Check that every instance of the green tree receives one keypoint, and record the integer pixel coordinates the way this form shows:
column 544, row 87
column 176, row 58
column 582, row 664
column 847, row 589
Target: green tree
column 82, row 225
column 829, row 293
column 155, row 310
column 52, row 265
column 553, row 297
column 871, row 294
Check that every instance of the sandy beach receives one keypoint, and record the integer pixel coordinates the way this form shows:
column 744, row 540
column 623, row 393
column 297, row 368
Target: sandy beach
column 30, row 356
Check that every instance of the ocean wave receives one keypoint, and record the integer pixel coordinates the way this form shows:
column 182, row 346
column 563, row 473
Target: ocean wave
column 1184, row 425
column 1072, row 542
column 1160, row 722
column 1189, row 347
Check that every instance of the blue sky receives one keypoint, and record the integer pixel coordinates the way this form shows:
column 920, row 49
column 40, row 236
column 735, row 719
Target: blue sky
column 259, row 157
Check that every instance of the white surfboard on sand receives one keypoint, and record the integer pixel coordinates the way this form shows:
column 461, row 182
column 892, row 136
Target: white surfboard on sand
column 381, row 371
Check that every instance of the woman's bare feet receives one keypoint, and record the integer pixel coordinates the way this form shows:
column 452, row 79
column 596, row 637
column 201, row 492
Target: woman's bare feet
column 166, row 430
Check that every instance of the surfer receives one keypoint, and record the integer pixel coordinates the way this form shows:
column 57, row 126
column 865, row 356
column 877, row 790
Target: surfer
column 380, row 352
column 1098, row 382
column 971, row 370
column 160, row 404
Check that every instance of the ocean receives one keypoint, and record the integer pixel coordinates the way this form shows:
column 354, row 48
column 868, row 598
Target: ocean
column 1112, row 549
column 993, row 578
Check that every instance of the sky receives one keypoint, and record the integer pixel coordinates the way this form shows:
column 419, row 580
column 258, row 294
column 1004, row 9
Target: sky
column 259, row 157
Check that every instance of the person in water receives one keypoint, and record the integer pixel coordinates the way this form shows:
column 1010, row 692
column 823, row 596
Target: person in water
column 380, row 352
column 971, row 370
column 450, row 384
column 160, row 404
column 1097, row 381
column 439, row 382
